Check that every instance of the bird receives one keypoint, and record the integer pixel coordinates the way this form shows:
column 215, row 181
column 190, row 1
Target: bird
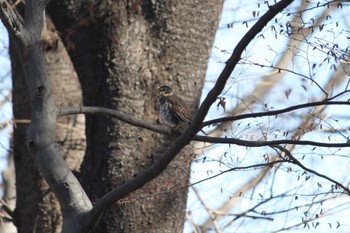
column 173, row 110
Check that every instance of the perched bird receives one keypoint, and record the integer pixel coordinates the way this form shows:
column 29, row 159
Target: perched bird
column 173, row 110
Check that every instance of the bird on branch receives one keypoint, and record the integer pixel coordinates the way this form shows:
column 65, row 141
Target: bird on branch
column 173, row 110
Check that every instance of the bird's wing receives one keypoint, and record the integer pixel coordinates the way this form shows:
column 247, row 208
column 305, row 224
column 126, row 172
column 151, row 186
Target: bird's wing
column 179, row 108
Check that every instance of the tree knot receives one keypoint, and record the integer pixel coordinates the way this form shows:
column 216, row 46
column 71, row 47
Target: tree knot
column 40, row 91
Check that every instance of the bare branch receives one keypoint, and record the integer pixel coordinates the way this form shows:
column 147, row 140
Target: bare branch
column 295, row 161
column 254, row 166
column 281, row 69
column 10, row 19
column 335, row 80
column 41, row 132
column 240, row 142
column 235, row 57
column 161, row 129
column 142, row 178
column 265, row 85
column 228, row 205
column 113, row 113
column 209, row 211
column 274, row 112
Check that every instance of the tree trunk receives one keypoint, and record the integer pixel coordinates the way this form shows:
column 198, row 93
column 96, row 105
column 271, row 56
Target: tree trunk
column 37, row 209
column 124, row 53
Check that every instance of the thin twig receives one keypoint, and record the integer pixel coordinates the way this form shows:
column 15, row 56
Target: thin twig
column 295, row 161
column 209, row 211
column 274, row 112
column 164, row 130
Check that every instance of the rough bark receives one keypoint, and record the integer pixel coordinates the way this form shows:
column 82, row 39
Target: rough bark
column 37, row 207
column 140, row 47
column 67, row 90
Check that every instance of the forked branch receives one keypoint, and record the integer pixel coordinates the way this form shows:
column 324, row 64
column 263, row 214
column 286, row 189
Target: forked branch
column 152, row 172
column 78, row 214
column 41, row 141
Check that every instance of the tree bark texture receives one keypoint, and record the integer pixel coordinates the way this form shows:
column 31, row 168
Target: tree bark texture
column 122, row 52
column 37, row 209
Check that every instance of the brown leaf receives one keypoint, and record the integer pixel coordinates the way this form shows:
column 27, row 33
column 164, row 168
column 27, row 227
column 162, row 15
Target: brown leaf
column 287, row 93
column 221, row 103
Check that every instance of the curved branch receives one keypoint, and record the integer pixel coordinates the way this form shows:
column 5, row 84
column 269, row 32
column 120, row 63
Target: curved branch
column 295, row 161
column 275, row 112
column 255, row 166
column 41, row 141
column 279, row 69
column 234, row 59
column 240, row 142
column 11, row 20
column 159, row 129
column 113, row 113
column 164, row 130
column 265, row 84
column 149, row 174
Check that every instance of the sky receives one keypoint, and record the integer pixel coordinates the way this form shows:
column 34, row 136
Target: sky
column 266, row 51
column 5, row 106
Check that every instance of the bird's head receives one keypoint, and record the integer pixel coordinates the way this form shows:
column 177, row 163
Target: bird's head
column 165, row 91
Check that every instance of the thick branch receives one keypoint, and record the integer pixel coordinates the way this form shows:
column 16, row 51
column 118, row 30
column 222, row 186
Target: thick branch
column 267, row 81
column 152, row 172
column 234, row 59
column 161, row 129
column 10, row 19
column 113, row 113
column 42, row 130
